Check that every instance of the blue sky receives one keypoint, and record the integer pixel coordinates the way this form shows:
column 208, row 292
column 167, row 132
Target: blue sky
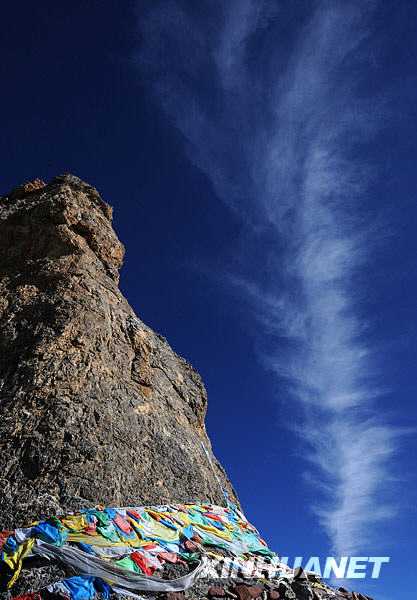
column 260, row 157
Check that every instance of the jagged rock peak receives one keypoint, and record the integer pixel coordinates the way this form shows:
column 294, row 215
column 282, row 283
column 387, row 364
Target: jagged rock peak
column 94, row 406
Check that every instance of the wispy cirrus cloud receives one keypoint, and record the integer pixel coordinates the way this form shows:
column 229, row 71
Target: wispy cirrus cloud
column 271, row 109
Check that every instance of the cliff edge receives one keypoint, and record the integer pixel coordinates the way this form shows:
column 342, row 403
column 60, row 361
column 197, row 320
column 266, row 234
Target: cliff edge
column 94, row 405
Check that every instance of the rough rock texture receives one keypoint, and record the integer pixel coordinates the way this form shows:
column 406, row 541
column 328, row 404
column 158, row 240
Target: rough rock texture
column 94, row 406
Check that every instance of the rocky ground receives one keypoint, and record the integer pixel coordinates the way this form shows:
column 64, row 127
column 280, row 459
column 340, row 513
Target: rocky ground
column 95, row 407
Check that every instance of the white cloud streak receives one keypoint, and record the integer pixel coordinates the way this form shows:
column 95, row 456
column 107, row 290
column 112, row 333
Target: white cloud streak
column 277, row 136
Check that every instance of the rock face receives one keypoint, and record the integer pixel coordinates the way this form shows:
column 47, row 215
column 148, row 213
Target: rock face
column 94, row 406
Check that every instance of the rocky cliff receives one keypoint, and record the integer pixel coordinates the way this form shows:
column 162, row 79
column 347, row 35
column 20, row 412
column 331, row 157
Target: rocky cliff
column 94, row 405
